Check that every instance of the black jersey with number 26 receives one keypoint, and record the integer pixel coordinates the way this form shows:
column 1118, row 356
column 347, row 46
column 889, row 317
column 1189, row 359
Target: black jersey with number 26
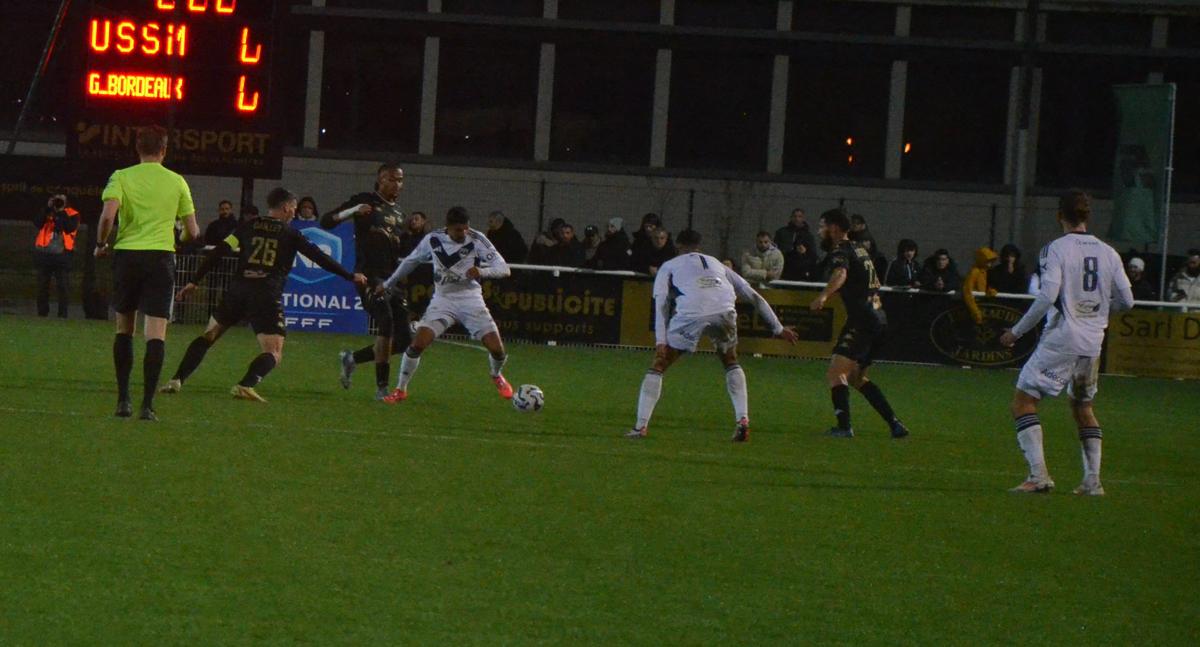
column 267, row 248
column 862, row 283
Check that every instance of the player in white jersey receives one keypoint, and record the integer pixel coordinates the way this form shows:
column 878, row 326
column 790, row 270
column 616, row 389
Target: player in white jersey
column 704, row 293
column 461, row 257
column 1083, row 280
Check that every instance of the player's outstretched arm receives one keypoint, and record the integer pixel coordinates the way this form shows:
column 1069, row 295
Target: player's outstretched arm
column 1051, row 285
column 325, row 261
column 210, row 260
column 1122, row 290
column 346, row 211
column 744, row 290
column 662, row 306
column 492, row 264
column 836, row 280
column 422, row 254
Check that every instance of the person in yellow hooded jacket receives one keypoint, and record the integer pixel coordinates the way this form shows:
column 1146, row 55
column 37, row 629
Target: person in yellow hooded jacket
column 977, row 281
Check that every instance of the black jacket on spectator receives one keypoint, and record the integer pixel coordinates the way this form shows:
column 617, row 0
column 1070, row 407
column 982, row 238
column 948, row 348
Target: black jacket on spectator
column 642, row 262
column 566, row 255
column 1014, row 282
column 613, row 253
column 219, row 229
column 509, row 242
column 951, row 279
column 1143, row 290
column 787, row 235
column 800, row 267
column 642, row 245
column 902, row 273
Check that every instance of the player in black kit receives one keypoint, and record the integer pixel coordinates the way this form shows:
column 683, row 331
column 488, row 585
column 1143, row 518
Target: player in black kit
column 378, row 225
column 853, row 275
column 266, row 249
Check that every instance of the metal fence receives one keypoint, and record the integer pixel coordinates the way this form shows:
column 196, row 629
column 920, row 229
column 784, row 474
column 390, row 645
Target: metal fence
column 203, row 302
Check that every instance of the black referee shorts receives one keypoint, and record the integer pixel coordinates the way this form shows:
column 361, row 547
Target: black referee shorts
column 144, row 281
column 261, row 305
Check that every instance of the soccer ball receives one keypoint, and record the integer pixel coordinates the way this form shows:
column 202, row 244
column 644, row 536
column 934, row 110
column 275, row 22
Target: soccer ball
column 528, row 398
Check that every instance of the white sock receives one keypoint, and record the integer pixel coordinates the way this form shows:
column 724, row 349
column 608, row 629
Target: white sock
column 408, row 366
column 1090, row 441
column 1029, row 437
column 496, row 364
column 651, row 389
column 735, row 385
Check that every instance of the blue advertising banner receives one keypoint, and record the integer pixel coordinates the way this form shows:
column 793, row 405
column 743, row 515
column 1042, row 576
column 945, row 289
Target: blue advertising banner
column 314, row 299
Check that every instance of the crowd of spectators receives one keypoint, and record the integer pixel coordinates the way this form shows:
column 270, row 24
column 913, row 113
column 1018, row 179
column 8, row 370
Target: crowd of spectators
column 791, row 254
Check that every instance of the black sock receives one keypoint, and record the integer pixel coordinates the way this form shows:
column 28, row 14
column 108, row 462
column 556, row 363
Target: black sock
column 258, row 370
column 382, row 370
column 841, row 405
column 364, row 355
column 192, row 358
column 875, row 396
column 123, row 362
column 151, row 367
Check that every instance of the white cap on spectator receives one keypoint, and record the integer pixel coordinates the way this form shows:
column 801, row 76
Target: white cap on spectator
column 616, row 222
column 1138, row 264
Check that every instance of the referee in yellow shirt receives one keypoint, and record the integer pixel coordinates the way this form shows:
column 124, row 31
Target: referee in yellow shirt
column 147, row 199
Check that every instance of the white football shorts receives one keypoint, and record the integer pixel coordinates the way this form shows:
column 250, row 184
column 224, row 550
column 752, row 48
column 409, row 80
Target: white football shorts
column 1048, row 371
column 684, row 332
column 473, row 314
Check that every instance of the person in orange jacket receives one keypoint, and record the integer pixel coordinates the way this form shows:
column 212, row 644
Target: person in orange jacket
column 977, row 281
column 53, row 250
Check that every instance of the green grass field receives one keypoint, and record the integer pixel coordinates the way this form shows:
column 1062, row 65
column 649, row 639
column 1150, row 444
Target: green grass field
column 327, row 518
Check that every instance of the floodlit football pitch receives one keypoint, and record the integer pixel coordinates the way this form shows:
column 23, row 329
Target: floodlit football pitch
column 324, row 517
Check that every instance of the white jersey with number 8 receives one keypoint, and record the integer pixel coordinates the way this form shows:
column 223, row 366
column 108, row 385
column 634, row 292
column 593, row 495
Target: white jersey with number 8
column 1082, row 278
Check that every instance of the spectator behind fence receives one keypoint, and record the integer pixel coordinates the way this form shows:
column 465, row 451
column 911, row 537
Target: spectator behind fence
column 1009, row 275
column 905, row 271
column 1185, row 287
column 860, row 233
column 416, row 225
column 53, row 252
column 539, row 251
column 306, row 210
column 765, row 262
column 568, row 252
column 800, row 262
column 613, row 251
column 1142, row 289
column 219, row 229
column 796, row 230
column 940, row 273
column 661, row 250
column 591, row 243
column 977, row 281
column 248, row 212
column 643, row 238
column 505, row 238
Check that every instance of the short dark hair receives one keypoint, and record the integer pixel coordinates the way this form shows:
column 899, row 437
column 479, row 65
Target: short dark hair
column 225, row 202
column 905, row 245
column 1075, row 206
column 278, row 197
column 1193, row 252
column 688, row 238
column 858, row 219
column 837, row 217
column 651, row 219
column 457, row 216
column 386, row 166
column 760, row 234
column 151, row 140
column 309, row 199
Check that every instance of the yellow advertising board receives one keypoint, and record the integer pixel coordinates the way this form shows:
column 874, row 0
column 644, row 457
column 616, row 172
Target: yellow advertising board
column 1154, row 344
column 817, row 330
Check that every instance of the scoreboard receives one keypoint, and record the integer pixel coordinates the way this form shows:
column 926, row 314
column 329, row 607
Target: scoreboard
column 202, row 68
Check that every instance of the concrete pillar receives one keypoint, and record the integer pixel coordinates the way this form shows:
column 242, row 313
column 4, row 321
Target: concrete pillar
column 779, row 95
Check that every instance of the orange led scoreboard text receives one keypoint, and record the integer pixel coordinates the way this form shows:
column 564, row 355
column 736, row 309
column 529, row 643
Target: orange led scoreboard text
column 194, row 60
